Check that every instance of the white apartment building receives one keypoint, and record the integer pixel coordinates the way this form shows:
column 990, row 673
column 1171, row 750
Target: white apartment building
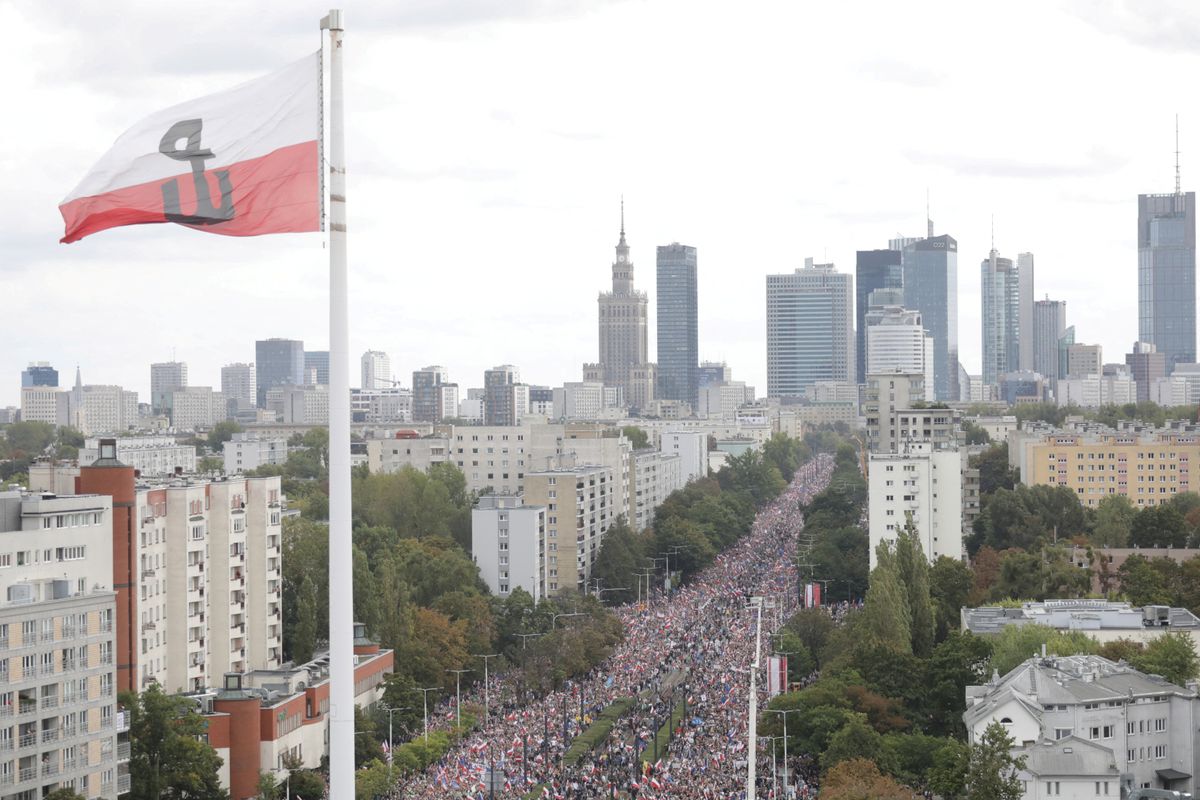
column 393, row 455
column 245, row 452
column 1093, row 391
column 381, row 406
column 921, row 484
column 580, row 506
column 885, row 394
column 376, row 370
column 692, row 449
column 300, row 405
column 149, row 455
column 58, row 718
column 1091, row 727
column 897, row 342
column 98, row 409
column 508, row 542
column 579, row 400
column 470, row 409
column 195, row 408
column 40, row 404
column 210, row 571
column 722, row 400
column 655, row 475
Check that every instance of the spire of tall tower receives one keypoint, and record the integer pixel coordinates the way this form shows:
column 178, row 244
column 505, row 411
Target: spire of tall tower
column 622, row 219
column 1177, row 184
column 928, row 219
column 78, row 378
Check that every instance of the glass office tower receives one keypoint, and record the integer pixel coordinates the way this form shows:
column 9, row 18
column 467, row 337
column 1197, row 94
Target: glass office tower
column 930, row 268
column 678, row 324
column 873, row 269
column 1167, row 275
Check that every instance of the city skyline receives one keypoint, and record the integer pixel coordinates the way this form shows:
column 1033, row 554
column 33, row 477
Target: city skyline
column 1084, row 169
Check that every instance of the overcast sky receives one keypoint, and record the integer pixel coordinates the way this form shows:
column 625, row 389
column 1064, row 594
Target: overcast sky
column 489, row 143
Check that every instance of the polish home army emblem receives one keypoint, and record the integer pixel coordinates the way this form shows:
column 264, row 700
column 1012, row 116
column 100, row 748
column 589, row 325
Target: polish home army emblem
column 206, row 213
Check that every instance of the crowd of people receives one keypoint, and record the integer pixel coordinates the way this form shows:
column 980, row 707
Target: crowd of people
column 684, row 662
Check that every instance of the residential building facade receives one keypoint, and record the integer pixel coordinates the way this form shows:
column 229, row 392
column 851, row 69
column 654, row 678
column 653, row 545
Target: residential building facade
column 921, row 486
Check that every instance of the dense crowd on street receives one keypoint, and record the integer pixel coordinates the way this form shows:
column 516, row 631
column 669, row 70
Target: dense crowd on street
column 690, row 652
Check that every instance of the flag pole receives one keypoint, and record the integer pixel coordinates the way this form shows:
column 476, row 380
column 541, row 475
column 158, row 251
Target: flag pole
column 341, row 572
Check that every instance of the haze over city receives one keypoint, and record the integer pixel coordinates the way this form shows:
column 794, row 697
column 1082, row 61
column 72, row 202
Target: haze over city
column 489, row 145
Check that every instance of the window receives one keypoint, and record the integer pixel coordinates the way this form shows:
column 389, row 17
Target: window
column 1062, row 733
column 1160, row 751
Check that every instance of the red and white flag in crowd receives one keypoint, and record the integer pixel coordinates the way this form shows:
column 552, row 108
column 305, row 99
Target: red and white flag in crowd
column 776, row 675
column 242, row 162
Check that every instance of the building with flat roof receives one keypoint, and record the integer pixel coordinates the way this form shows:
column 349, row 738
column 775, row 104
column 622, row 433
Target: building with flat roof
column 920, row 485
column 1103, row 620
column 581, row 504
column 508, row 543
column 810, row 329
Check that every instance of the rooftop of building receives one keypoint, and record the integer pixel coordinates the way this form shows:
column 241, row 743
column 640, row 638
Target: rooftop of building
column 1083, row 615
column 1070, row 757
column 1049, row 680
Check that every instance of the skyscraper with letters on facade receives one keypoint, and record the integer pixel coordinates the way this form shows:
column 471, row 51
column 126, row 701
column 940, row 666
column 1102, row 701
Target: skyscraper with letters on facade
column 810, row 336
column 678, row 323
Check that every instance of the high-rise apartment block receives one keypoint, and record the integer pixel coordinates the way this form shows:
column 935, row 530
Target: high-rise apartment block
column 430, row 401
column 508, row 542
column 922, row 486
column 897, row 342
column 581, row 503
column 809, row 329
column 930, row 268
column 1049, row 325
column 873, row 269
column 1001, row 293
column 1167, row 274
column 58, row 715
column 41, row 404
column 278, row 362
column 39, row 373
column 239, row 385
column 503, row 396
column 623, row 313
column 376, row 370
column 678, row 324
column 165, row 378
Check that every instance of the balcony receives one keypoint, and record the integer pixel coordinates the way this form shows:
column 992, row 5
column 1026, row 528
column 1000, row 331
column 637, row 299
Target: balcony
column 122, row 751
column 106, row 789
column 69, row 731
column 27, row 740
column 50, row 735
column 46, row 669
column 50, row 701
column 147, row 573
column 27, row 774
column 27, row 707
column 123, row 784
column 49, row 768
column 68, row 764
column 3, row 642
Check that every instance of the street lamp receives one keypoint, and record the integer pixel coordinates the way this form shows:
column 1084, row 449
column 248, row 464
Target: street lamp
column 487, row 705
column 425, row 705
column 600, row 592
column 526, row 636
column 774, row 765
column 783, row 713
column 391, row 711
column 644, row 574
column 458, row 673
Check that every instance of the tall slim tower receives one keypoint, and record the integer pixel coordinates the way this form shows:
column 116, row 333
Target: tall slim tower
column 931, row 287
column 376, row 370
column 1025, row 323
column 1049, row 325
column 1001, row 293
column 623, row 314
column 165, row 378
column 873, row 269
column 1167, row 272
column 678, row 324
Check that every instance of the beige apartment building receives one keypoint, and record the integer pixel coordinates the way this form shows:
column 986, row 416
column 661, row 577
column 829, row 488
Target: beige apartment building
column 1149, row 469
column 581, row 503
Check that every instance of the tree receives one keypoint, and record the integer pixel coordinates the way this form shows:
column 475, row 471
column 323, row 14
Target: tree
column 269, row 787
column 886, row 617
column 304, row 631
column 913, row 571
column 221, row 433
column 949, row 586
column 622, row 554
column 1159, row 526
column 366, row 743
column 994, row 472
column 636, row 436
column 948, row 775
column 976, row 434
column 1114, row 521
column 786, row 454
column 992, row 769
column 985, row 571
column 1172, row 655
column 1141, row 583
column 840, row 556
column 856, row 740
column 860, row 779
column 63, row 793
column 960, row 661
column 305, row 783
column 811, row 626
column 169, row 759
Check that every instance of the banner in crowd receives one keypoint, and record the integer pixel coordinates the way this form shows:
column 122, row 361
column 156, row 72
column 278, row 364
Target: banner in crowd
column 776, row 675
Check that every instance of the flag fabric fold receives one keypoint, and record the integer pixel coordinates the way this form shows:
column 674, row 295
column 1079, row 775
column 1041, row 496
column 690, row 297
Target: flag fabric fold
column 242, row 162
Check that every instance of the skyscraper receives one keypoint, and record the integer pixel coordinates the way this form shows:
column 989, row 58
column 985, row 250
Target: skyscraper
column 622, row 320
column 809, row 329
column 239, row 385
column 39, row 373
column 873, row 269
column 1146, row 365
column 278, row 362
column 316, row 367
column 1001, row 292
column 376, row 370
column 678, row 325
column 898, row 343
column 165, row 378
column 426, row 386
column 1167, row 274
column 500, row 395
column 930, row 269
column 1049, row 325
column 1025, row 336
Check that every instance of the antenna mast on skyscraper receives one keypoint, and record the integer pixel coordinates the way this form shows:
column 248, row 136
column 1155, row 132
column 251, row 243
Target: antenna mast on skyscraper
column 928, row 219
column 1177, row 185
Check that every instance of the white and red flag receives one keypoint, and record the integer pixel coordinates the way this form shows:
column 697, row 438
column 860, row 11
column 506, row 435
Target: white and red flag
column 242, row 162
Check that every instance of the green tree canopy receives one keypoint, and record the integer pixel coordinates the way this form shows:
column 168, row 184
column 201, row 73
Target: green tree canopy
column 169, row 756
column 992, row 770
